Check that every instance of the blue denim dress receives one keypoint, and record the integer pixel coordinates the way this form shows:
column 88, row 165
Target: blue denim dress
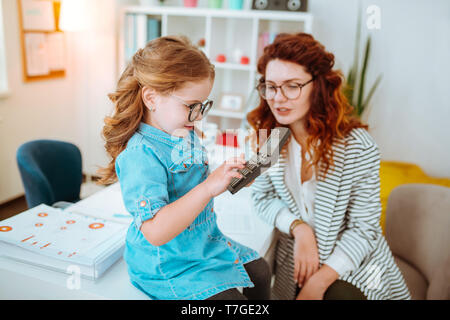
column 154, row 170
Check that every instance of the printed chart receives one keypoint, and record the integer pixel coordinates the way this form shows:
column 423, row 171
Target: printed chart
column 57, row 233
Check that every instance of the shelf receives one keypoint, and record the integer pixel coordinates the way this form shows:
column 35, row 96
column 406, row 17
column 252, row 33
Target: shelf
column 227, row 114
column 233, row 33
column 234, row 66
column 223, row 13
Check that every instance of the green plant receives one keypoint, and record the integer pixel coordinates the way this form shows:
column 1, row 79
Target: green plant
column 354, row 85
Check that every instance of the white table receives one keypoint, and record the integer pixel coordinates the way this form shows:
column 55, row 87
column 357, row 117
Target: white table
column 23, row 281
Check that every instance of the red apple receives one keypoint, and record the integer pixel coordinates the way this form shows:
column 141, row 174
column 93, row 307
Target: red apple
column 245, row 60
column 221, row 58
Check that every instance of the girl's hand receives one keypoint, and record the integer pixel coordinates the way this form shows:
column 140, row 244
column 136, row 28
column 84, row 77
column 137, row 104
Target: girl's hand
column 306, row 255
column 218, row 181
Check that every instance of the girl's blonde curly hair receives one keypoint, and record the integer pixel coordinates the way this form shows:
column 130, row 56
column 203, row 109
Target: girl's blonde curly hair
column 164, row 64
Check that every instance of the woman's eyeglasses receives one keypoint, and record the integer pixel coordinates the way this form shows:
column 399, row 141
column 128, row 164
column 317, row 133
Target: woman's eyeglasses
column 290, row 90
column 196, row 108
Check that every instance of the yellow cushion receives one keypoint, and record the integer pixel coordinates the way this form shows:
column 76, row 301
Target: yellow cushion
column 393, row 174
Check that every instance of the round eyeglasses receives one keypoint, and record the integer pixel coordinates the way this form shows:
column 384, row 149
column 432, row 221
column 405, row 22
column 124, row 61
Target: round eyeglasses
column 290, row 90
column 196, row 108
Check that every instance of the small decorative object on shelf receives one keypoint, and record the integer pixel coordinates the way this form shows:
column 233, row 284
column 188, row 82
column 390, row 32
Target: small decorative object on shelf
column 190, row 3
column 245, row 60
column 215, row 4
column 228, row 139
column 210, row 133
column 201, row 43
column 221, row 58
column 237, row 54
column 286, row 5
column 236, row 4
column 152, row 3
column 231, row 102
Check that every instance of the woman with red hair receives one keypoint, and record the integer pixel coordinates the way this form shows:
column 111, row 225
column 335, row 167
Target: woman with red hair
column 323, row 193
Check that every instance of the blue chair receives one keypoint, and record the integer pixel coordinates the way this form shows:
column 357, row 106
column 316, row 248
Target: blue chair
column 50, row 171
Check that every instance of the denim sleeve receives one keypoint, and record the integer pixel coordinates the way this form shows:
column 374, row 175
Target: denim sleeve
column 143, row 181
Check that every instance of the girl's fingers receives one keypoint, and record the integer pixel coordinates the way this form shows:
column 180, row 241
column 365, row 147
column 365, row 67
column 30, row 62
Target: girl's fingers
column 231, row 166
column 235, row 160
column 235, row 174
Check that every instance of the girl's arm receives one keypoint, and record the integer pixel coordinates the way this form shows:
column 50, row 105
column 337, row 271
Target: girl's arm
column 175, row 217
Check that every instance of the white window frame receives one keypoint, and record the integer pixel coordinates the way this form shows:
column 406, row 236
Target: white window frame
column 4, row 88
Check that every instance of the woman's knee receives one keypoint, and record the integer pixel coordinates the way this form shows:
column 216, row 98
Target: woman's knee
column 342, row 290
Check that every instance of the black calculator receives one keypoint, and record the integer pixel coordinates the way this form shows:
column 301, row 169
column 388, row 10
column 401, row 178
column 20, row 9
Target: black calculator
column 267, row 156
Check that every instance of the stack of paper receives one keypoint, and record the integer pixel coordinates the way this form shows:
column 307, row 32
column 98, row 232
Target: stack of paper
column 106, row 204
column 57, row 240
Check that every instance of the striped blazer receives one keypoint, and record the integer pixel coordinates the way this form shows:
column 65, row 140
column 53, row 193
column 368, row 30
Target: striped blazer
column 347, row 214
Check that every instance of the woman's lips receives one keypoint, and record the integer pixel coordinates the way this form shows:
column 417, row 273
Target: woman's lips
column 282, row 111
column 189, row 127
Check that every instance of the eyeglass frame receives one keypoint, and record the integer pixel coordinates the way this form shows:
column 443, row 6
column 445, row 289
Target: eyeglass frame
column 300, row 85
column 193, row 106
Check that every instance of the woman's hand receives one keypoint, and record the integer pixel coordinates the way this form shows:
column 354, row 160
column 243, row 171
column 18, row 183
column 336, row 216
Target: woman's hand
column 306, row 254
column 317, row 285
column 219, row 179
column 312, row 290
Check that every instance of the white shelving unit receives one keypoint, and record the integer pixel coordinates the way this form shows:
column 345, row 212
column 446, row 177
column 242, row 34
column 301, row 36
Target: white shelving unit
column 223, row 31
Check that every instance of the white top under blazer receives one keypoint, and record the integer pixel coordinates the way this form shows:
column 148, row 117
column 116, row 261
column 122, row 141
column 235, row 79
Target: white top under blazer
column 303, row 194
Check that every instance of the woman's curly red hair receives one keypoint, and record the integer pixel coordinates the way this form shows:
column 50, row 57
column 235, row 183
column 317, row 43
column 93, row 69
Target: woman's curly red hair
column 330, row 115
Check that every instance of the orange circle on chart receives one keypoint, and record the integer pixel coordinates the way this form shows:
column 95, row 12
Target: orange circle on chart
column 5, row 228
column 70, row 221
column 42, row 214
column 38, row 225
column 96, row 225
column 63, row 228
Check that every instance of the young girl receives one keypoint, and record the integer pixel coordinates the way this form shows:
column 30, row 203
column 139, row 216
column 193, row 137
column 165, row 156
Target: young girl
column 174, row 249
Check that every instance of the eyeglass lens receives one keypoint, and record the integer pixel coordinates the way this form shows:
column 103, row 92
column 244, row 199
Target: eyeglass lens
column 199, row 108
column 290, row 90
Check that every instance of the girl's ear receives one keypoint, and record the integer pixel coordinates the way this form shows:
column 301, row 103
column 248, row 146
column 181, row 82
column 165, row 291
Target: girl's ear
column 148, row 96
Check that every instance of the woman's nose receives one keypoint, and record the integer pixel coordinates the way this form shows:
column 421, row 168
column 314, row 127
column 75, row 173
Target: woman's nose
column 279, row 96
